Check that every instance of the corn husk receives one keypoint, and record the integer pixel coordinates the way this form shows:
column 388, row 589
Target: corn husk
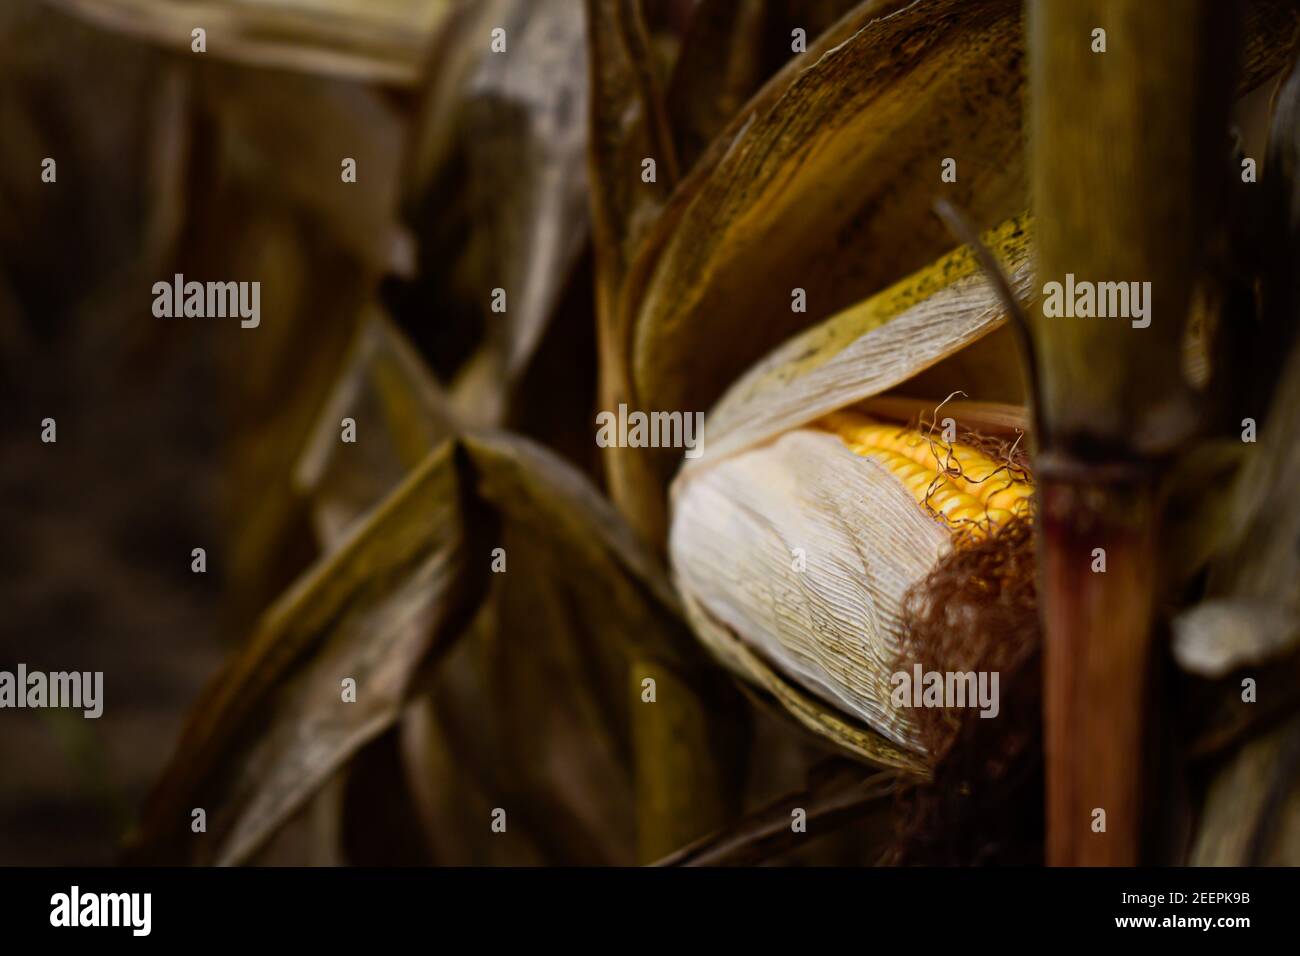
column 821, row 639
column 823, row 181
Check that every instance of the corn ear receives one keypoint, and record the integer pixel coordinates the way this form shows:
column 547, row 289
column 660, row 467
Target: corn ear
column 796, row 536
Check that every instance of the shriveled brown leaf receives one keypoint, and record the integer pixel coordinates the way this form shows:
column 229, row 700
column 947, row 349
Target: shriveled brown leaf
column 532, row 488
column 627, row 124
column 267, row 204
column 271, row 387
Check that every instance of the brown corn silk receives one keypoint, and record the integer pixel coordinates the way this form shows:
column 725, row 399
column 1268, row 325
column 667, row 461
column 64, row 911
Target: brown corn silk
column 976, row 611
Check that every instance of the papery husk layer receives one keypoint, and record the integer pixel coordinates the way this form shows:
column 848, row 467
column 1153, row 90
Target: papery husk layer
column 792, row 553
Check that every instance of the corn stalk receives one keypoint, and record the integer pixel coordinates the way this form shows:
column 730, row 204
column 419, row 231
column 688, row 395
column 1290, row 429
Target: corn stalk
column 1127, row 149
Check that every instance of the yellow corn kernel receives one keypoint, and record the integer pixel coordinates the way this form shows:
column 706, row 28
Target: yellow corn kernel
column 962, row 486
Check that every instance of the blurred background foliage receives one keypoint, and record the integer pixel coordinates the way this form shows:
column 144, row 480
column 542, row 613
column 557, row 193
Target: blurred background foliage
column 475, row 171
column 472, row 175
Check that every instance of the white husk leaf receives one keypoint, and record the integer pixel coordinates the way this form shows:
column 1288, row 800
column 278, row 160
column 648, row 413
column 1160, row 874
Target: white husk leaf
column 833, row 628
column 785, row 390
column 822, row 641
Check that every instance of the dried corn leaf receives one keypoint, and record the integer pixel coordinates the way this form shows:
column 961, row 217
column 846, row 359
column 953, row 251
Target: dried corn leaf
column 845, row 796
column 784, row 204
column 825, row 184
column 1197, row 508
column 273, row 728
column 453, row 772
column 628, row 124
column 535, row 490
column 721, row 64
column 564, row 733
column 633, row 610
column 397, row 588
column 552, row 681
column 505, row 136
column 692, row 729
column 723, row 59
column 272, row 388
column 286, row 135
column 1252, row 811
column 730, row 49
column 119, row 234
column 400, row 415
column 267, row 171
column 355, row 39
column 1251, row 611
column 1252, row 607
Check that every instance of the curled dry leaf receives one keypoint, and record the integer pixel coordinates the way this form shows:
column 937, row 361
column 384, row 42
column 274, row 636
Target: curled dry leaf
column 876, row 345
column 266, row 204
column 271, row 388
column 1250, row 614
column 565, row 683
column 394, row 404
column 730, row 49
column 633, row 168
column 823, row 183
